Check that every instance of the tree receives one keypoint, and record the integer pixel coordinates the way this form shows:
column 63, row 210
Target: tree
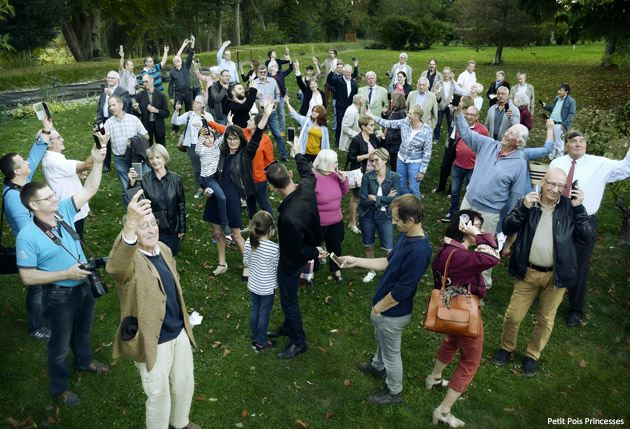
column 497, row 23
column 81, row 29
column 33, row 25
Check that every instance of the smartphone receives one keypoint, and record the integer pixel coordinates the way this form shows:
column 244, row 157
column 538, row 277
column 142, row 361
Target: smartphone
column 42, row 111
column 353, row 59
column 573, row 188
column 336, row 259
column 132, row 191
column 290, row 134
column 121, row 48
column 464, row 217
column 98, row 127
column 138, row 167
column 542, row 115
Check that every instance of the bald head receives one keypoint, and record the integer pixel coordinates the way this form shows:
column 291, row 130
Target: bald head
column 553, row 185
column 423, row 85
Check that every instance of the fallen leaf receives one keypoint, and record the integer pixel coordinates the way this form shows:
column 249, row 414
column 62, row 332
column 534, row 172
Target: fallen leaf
column 201, row 398
column 244, row 413
column 329, row 415
column 321, row 349
column 302, row 424
column 13, row 422
column 509, row 410
column 327, row 299
column 582, row 363
column 346, row 383
column 226, row 352
column 212, row 399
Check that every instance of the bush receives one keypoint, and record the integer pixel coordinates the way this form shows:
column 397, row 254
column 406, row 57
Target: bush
column 395, row 31
column 398, row 32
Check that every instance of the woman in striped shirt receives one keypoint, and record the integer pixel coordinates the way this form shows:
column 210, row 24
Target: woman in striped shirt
column 261, row 256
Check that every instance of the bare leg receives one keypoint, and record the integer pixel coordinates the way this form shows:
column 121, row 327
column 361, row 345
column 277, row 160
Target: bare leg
column 220, row 237
column 438, row 368
column 240, row 244
column 449, row 400
column 443, row 412
column 352, row 208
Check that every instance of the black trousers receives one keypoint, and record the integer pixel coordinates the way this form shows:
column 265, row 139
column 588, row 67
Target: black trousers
column 577, row 293
column 186, row 98
column 447, row 165
column 333, row 236
column 152, row 130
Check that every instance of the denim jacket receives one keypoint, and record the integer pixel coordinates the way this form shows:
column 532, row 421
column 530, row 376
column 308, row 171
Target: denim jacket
column 369, row 186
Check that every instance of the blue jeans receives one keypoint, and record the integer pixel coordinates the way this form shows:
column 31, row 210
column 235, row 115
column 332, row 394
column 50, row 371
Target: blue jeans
column 122, row 169
column 261, row 198
column 300, row 95
column 70, row 311
column 34, row 308
column 334, row 125
column 292, row 325
column 211, row 182
column 441, row 113
column 282, row 119
column 375, row 220
column 457, row 181
column 275, row 130
column 259, row 317
column 408, row 170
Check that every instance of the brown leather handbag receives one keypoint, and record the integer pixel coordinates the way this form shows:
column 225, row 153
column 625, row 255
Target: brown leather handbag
column 461, row 317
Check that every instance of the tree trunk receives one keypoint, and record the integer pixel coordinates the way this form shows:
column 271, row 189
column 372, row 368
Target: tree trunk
column 236, row 23
column 497, row 55
column 624, row 231
column 607, row 59
column 218, row 37
column 79, row 31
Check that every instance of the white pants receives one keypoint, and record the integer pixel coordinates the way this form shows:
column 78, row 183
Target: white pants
column 558, row 142
column 170, row 384
column 490, row 222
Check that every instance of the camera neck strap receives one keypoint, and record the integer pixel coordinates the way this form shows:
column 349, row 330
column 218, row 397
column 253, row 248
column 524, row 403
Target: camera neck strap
column 47, row 230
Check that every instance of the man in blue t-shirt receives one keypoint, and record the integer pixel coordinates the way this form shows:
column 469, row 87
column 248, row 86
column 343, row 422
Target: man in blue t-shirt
column 18, row 172
column 49, row 254
column 393, row 300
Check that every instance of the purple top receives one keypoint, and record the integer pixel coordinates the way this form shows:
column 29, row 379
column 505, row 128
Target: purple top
column 329, row 191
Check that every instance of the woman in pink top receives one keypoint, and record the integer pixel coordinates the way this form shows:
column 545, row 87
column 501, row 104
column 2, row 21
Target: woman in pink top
column 209, row 80
column 331, row 186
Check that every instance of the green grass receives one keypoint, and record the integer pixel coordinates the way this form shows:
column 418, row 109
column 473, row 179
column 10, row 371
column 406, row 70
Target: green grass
column 273, row 393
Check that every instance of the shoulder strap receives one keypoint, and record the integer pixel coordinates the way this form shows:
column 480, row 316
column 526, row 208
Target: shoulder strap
column 448, row 263
column 11, row 186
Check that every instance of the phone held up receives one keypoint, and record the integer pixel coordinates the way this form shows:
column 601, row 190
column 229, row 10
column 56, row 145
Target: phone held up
column 574, row 188
column 290, row 134
column 42, row 111
column 138, row 167
column 464, row 218
column 98, row 127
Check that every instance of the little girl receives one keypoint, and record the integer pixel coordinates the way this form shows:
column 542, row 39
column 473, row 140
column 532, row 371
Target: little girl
column 209, row 151
column 261, row 256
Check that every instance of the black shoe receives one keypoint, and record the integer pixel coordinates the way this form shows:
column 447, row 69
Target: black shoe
column 105, row 169
column 501, row 357
column 446, row 219
column 292, row 351
column 384, row 397
column 285, row 159
column 367, row 367
column 278, row 332
column 573, row 320
column 270, row 345
column 530, row 367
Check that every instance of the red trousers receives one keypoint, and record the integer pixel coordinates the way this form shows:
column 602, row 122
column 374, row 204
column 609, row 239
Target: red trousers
column 469, row 358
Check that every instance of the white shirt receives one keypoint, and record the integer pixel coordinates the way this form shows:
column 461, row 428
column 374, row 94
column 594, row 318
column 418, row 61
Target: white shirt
column 465, row 80
column 521, row 89
column 592, row 173
column 106, row 104
column 348, row 85
column 420, row 98
column 316, row 100
column 61, row 175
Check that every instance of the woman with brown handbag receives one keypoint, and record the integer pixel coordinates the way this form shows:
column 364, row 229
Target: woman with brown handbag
column 463, row 269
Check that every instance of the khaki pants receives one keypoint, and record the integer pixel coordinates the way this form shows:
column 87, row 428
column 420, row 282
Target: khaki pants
column 490, row 222
column 525, row 292
column 170, row 384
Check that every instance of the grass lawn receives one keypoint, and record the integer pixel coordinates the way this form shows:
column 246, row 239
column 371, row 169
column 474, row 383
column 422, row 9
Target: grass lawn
column 583, row 372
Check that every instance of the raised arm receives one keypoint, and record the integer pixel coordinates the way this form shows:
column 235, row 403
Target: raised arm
column 165, row 56
column 121, row 65
column 93, row 181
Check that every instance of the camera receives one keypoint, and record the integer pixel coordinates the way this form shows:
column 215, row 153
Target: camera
column 94, row 279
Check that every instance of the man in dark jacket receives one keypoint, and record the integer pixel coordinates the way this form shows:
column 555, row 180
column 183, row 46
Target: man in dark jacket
column 544, row 261
column 345, row 88
column 179, row 87
column 152, row 108
column 240, row 104
column 298, row 236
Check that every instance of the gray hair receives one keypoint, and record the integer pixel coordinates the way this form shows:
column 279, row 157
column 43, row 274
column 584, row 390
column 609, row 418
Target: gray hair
column 347, row 67
column 521, row 99
column 325, row 160
column 522, row 135
column 369, row 73
column 358, row 99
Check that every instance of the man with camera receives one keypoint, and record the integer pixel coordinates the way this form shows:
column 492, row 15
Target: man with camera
column 49, row 253
column 154, row 329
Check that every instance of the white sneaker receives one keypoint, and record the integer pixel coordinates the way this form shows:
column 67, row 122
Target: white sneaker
column 369, row 277
column 208, row 192
column 354, row 229
column 198, row 194
column 500, row 241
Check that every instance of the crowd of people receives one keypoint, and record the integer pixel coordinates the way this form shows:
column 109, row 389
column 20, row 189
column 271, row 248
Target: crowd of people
column 386, row 135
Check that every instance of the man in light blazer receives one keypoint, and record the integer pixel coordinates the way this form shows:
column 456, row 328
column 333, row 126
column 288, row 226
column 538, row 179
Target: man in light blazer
column 502, row 115
column 376, row 96
column 427, row 100
column 154, row 330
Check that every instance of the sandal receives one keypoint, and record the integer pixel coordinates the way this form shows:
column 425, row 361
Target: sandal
column 221, row 268
column 369, row 277
column 447, row 418
column 354, row 229
column 97, row 368
column 431, row 382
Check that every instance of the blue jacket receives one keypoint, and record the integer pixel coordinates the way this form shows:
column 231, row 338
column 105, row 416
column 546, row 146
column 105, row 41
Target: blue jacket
column 369, row 186
column 306, row 124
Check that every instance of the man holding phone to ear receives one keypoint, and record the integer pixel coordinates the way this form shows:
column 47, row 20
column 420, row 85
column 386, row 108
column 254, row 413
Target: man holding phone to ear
column 593, row 173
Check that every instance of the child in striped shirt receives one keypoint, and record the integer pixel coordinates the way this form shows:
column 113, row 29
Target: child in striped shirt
column 208, row 148
column 261, row 256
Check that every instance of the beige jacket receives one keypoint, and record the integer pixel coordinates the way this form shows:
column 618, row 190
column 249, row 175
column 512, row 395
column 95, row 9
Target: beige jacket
column 142, row 295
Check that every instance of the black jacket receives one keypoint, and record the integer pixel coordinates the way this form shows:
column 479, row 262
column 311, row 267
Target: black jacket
column 393, row 138
column 241, row 110
column 123, row 94
column 160, row 102
column 307, row 95
column 358, row 146
column 217, row 100
column 299, row 230
column 570, row 224
column 242, row 170
column 337, row 83
column 167, row 200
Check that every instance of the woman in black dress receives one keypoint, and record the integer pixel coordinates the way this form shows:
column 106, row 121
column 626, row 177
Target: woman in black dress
column 235, row 175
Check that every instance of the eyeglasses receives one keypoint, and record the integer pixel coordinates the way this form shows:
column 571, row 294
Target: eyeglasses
column 233, row 138
column 472, row 115
column 553, row 185
column 48, row 198
column 145, row 225
column 111, row 77
column 375, row 160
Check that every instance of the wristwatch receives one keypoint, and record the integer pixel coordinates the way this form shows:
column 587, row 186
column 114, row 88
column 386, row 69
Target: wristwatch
column 46, row 132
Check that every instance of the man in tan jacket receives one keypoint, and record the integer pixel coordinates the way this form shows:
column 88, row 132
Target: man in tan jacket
column 154, row 329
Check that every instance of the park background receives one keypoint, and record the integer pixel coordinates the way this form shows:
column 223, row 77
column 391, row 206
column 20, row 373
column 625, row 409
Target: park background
column 584, row 372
